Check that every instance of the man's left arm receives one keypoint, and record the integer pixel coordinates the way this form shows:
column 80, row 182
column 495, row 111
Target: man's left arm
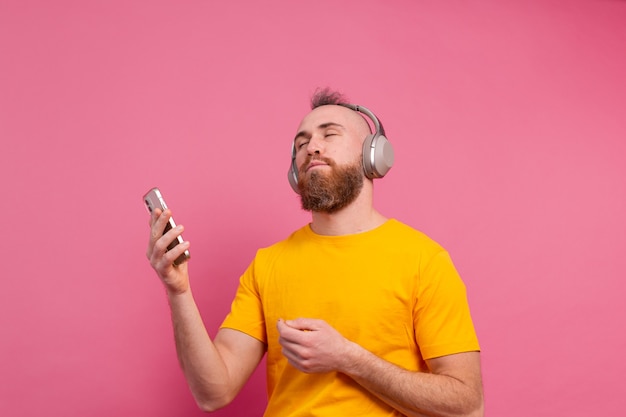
column 452, row 388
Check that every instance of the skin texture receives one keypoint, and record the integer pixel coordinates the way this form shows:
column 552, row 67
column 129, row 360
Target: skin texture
column 216, row 369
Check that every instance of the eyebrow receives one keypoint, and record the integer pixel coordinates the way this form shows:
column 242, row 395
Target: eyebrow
column 304, row 133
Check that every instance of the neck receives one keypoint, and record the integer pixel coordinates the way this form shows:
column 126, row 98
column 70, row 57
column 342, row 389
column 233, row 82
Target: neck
column 360, row 216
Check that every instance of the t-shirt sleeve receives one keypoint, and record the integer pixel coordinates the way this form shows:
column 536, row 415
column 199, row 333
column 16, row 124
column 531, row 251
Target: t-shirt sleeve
column 246, row 313
column 443, row 324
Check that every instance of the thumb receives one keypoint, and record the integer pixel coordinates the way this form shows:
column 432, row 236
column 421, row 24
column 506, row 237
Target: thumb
column 304, row 323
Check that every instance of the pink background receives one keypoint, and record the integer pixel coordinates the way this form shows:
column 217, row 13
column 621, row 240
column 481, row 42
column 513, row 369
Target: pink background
column 509, row 123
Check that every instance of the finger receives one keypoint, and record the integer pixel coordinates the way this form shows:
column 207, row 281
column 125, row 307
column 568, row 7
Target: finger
column 291, row 338
column 158, row 225
column 285, row 332
column 157, row 245
column 305, row 324
column 281, row 324
column 174, row 253
column 158, row 220
column 164, row 264
column 164, row 243
column 284, row 328
column 154, row 215
column 171, row 246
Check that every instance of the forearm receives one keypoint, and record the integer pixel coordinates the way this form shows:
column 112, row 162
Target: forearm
column 413, row 393
column 199, row 358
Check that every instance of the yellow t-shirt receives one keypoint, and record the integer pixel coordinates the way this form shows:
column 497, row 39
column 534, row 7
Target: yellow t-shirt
column 392, row 290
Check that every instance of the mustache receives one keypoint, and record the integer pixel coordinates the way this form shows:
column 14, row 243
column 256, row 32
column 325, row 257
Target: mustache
column 310, row 158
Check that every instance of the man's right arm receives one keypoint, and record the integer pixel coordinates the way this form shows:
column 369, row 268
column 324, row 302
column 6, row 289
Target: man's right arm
column 215, row 370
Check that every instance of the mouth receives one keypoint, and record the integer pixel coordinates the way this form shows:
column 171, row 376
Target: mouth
column 315, row 164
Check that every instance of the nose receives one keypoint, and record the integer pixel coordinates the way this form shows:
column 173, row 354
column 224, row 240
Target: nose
column 315, row 145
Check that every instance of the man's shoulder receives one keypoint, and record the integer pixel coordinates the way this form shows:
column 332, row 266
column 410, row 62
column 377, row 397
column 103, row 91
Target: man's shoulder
column 295, row 236
column 409, row 233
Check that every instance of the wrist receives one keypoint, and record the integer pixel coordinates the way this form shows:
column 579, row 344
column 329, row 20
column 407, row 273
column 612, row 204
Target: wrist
column 352, row 358
column 177, row 291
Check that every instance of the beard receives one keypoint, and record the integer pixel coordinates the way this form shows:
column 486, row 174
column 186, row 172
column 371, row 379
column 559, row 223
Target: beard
column 332, row 191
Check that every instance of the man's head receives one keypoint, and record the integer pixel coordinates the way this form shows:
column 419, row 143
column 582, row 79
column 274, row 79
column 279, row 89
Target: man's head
column 328, row 154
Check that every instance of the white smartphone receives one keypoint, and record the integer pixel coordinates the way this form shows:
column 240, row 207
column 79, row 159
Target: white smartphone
column 153, row 199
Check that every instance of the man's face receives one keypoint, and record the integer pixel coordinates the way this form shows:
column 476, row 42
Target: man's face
column 329, row 158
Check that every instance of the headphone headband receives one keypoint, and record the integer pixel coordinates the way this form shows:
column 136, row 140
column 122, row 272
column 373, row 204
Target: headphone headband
column 378, row 127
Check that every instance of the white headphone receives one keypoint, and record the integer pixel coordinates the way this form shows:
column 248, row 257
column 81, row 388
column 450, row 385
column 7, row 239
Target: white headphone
column 378, row 153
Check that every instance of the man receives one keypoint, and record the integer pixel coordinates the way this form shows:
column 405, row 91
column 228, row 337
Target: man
column 358, row 314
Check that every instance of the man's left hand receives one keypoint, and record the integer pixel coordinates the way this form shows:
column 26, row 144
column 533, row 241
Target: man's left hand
column 312, row 345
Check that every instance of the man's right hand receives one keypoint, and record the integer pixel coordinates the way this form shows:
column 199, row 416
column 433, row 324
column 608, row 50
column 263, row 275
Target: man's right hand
column 215, row 371
column 174, row 277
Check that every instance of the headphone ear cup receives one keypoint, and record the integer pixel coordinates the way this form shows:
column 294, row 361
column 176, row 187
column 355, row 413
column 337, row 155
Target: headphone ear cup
column 378, row 156
column 368, row 163
column 384, row 156
column 292, row 176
